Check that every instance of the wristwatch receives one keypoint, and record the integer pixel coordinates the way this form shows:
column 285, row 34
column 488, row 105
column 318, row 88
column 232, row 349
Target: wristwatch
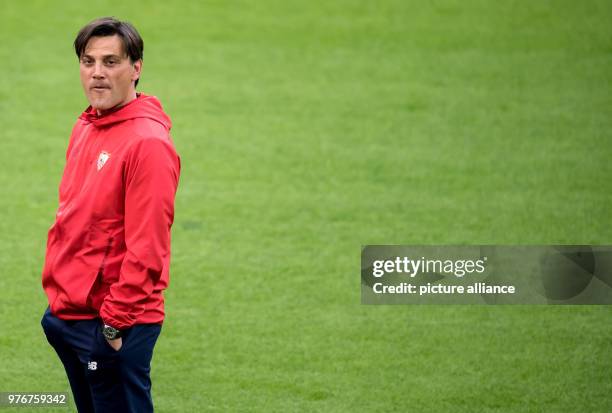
column 110, row 332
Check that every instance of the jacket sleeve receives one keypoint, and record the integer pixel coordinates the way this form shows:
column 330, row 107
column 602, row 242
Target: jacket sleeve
column 151, row 175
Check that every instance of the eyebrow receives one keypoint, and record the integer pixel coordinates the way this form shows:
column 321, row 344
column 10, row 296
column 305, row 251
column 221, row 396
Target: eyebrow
column 106, row 56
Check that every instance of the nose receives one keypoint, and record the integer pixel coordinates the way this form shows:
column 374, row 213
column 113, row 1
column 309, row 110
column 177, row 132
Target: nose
column 98, row 72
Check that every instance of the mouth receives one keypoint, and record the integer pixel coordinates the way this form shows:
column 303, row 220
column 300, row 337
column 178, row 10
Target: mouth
column 99, row 88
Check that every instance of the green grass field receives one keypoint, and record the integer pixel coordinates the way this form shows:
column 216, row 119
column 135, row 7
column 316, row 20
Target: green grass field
column 308, row 129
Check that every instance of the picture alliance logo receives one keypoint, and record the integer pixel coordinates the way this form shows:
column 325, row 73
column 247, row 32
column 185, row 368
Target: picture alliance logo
column 406, row 265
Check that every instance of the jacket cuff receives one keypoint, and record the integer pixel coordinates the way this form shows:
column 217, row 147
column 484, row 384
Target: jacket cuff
column 117, row 322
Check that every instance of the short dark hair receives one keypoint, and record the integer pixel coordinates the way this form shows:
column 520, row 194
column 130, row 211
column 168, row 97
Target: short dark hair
column 109, row 26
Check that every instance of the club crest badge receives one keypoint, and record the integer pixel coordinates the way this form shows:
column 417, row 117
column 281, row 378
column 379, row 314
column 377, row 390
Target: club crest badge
column 102, row 158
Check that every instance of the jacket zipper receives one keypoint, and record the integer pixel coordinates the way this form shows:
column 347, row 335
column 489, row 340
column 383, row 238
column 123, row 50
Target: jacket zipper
column 100, row 273
column 106, row 253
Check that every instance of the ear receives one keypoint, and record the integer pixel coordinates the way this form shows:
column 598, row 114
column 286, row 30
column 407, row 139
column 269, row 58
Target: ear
column 137, row 70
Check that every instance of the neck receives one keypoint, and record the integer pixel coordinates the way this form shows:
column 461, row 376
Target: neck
column 130, row 98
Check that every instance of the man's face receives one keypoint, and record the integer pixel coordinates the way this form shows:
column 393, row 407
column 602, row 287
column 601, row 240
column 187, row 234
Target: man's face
column 107, row 75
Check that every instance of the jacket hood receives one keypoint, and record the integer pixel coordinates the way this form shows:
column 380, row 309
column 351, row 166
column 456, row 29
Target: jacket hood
column 144, row 106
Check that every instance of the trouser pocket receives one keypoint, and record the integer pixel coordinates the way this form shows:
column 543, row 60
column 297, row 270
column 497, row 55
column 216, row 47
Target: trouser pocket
column 52, row 326
column 102, row 346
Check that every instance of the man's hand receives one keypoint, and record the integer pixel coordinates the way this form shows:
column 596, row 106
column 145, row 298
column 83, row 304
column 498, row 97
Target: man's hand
column 116, row 343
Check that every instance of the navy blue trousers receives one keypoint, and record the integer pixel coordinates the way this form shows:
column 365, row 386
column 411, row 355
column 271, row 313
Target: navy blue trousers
column 102, row 379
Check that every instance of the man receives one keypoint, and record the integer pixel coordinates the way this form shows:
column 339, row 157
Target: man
column 108, row 252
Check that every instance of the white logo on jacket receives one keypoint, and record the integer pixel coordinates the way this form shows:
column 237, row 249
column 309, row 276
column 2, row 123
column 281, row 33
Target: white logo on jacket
column 102, row 158
column 92, row 365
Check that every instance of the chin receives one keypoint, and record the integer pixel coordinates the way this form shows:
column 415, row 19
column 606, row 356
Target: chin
column 100, row 105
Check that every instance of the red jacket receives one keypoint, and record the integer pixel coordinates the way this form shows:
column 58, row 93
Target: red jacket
column 108, row 252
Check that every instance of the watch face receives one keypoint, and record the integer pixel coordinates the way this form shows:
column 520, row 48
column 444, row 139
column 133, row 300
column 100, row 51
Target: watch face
column 110, row 332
